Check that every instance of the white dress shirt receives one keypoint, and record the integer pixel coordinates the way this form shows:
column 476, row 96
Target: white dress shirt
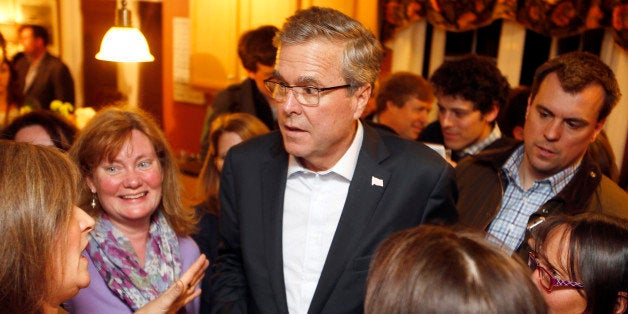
column 313, row 203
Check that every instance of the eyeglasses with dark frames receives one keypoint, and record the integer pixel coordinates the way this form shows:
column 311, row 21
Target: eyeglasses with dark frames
column 546, row 279
column 306, row 95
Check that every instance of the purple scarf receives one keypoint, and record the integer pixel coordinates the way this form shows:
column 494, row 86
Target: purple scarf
column 117, row 263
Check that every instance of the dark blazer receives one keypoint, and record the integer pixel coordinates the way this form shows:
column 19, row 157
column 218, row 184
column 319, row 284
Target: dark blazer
column 418, row 187
column 52, row 82
column 243, row 97
column 207, row 239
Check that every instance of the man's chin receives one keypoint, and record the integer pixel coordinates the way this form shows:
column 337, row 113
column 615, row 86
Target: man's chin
column 543, row 169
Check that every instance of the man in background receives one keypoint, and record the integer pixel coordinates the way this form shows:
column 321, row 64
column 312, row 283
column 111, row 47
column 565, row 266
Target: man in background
column 510, row 190
column 257, row 54
column 42, row 76
column 512, row 120
column 470, row 92
column 512, row 115
column 403, row 104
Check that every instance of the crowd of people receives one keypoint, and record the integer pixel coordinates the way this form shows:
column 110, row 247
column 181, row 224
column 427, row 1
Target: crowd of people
column 308, row 206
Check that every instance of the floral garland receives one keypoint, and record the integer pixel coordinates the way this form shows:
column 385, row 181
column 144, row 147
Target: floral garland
column 558, row 18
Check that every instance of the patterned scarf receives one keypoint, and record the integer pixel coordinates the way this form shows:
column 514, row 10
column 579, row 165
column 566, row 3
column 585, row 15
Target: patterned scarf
column 118, row 265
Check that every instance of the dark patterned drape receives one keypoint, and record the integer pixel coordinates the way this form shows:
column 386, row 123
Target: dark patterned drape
column 549, row 17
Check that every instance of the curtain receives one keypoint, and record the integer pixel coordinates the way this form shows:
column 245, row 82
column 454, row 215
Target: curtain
column 557, row 18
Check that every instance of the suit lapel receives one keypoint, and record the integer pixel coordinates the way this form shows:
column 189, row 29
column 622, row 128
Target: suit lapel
column 365, row 191
column 247, row 102
column 273, row 187
column 40, row 77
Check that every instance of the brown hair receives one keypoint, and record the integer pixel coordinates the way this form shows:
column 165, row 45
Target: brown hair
column 402, row 86
column 432, row 269
column 60, row 130
column 103, row 138
column 14, row 94
column 576, row 71
column 246, row 126
column 474, row 78
column 39, row 188
column 38, row 32
column 256, row 46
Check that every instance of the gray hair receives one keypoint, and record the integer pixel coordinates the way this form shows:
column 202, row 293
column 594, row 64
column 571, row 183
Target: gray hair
column 362, row 54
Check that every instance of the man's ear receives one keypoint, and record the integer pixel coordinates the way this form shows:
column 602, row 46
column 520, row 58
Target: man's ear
column 517, row 132
column 621, row 306
column 250, row 74
column 361, row 97
column 491, row 115
column 598, row 128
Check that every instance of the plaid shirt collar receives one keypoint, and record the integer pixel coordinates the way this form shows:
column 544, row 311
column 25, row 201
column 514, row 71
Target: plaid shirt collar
column 479, row 146
column 557, row 182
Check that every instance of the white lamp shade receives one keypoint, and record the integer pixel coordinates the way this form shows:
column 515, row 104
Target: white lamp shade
column 124, row 44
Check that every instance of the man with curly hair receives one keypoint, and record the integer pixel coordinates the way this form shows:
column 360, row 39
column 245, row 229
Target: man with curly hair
column 470, row 91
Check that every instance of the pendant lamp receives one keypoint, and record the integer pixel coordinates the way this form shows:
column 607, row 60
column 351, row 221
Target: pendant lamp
column 123, row 42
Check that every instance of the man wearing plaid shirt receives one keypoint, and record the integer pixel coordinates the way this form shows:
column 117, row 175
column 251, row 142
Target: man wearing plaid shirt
column 510, row 190
column 470, row 92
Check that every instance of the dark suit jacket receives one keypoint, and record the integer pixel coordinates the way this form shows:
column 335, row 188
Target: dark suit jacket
column 52, row 82
column 378, row 126
column 207, row 239
column 243, row 97
column 418, row 187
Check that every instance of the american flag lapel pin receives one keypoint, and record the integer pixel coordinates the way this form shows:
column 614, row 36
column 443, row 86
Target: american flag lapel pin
column 377, row 181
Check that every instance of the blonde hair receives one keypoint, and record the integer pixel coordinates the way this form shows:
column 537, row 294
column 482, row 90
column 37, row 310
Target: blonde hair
column 39, row 188
column 103, row 138
column 246, row 126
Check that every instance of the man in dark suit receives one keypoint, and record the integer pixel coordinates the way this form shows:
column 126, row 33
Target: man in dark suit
column 304, row 209
column 257, row 54
column 42, row 76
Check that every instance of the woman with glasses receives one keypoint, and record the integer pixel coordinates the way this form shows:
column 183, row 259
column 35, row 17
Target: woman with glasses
column 580, row 263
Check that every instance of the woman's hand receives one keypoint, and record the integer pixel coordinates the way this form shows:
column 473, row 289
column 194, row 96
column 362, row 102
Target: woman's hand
column 181, row 292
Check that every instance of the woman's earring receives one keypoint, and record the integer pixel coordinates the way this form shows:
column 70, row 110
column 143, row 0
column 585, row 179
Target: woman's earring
column 93, row 203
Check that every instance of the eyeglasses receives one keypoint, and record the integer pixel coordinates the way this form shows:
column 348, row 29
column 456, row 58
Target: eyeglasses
column 306, row 95
column 546, row 279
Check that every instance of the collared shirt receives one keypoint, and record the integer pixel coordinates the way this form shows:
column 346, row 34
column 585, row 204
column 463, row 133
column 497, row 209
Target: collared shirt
column 313, row 203
column 495, row 134
column 518, row 204
column 32, row 72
